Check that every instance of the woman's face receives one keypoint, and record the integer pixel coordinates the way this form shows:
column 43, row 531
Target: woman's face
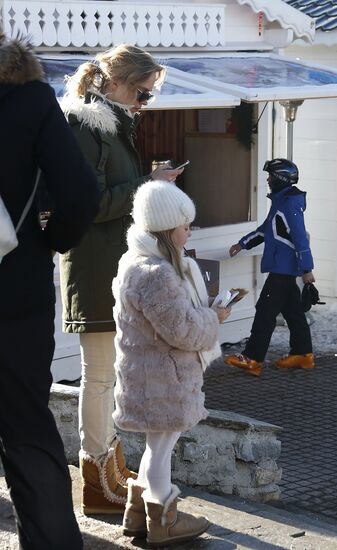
column 126, row 95
column 180, row 235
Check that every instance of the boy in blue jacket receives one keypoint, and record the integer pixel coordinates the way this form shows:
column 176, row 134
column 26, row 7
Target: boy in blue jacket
column 286, row 256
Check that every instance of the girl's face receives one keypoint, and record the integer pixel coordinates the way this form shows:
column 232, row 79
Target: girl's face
column 180, row 235
column 123, row 93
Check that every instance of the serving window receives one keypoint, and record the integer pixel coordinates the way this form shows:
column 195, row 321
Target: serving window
column 218, row 144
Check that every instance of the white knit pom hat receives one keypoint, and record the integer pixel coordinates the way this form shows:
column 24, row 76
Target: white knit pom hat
column 159, row 205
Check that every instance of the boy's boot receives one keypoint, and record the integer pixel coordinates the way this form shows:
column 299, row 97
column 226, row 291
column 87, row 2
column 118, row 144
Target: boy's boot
column 243, row 362
column 166, row 526
column 305, row 361
column 122, row 472
column 134, row 521
column 102, row 493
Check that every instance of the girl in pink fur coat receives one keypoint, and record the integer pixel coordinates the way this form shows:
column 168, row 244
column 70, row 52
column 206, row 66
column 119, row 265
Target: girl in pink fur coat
column 166, row 336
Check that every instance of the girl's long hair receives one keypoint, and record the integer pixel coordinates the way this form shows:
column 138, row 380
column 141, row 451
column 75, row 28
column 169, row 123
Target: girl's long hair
column 124, row 63
column 169, row 250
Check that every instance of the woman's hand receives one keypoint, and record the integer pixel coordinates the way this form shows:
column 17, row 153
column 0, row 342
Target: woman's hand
column 166, row 174
column 235, row 249
column 222, row 312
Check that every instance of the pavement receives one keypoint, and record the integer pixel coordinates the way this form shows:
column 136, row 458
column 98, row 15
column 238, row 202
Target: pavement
column 302, row 402
column 235, row 524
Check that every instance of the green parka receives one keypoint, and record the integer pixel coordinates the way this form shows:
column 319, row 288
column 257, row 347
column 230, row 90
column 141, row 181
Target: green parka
column 105, row 133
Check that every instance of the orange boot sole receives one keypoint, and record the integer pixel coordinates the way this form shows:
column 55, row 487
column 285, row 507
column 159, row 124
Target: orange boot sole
column 249, row 365
column 297, row 361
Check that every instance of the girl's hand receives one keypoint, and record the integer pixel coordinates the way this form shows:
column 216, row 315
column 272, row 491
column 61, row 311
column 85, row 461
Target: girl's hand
column 166, row 174
column 223, row 313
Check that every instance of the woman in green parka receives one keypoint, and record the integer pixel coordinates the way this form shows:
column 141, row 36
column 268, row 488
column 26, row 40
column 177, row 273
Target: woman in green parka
column 102, row 104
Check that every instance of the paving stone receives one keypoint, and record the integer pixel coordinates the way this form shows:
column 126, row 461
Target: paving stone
column 302, row 402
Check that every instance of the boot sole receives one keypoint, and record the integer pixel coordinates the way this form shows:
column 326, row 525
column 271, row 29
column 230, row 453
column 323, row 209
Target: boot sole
column 295, row 367
column 255, row 371
column 141, row 533
column 107, row 511
column 176, row 540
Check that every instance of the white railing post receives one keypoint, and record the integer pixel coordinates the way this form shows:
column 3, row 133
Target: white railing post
column 98, row 24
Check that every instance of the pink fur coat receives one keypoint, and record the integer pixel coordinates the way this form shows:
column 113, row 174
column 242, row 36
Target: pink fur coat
column 159, row 335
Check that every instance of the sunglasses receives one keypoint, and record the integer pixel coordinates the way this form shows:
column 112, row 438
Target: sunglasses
column 144, row 95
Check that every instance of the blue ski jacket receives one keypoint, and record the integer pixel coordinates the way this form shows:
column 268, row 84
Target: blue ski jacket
column 286, row 244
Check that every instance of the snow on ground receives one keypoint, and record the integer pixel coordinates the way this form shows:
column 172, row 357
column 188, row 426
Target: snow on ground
column 323, row 324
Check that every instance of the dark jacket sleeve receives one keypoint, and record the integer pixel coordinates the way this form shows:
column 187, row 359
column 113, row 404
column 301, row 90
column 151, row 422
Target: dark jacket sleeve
column 254, row 238
column 69, row 180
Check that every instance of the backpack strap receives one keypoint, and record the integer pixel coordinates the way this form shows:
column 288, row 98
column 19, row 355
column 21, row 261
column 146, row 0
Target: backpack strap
column 29, row 202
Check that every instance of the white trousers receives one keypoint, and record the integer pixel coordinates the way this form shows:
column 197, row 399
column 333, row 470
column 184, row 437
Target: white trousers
column 96, row 401
column 155, row 466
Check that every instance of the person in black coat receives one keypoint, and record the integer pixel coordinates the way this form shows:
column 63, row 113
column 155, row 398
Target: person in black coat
column 34, row 133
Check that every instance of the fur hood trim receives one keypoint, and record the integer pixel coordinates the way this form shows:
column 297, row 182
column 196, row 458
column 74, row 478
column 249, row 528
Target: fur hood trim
column 18, row 62
column 97, row 115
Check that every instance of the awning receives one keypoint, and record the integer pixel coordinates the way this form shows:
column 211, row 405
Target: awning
column 220, row 80
column 258, row 77
column 179, row 91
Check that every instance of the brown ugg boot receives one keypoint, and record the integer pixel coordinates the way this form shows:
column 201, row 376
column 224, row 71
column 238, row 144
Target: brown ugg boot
column 101, row 491
column 134, row 521
column 122, row 472
column 166, row 526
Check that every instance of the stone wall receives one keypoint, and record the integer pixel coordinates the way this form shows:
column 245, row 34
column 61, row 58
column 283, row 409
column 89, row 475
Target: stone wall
column 225, row 454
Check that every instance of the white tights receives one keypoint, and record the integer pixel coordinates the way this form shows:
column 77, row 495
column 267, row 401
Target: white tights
column 155, row 466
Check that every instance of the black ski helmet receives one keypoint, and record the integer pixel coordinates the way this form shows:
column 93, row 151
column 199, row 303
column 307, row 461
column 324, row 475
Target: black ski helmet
column 282, row 172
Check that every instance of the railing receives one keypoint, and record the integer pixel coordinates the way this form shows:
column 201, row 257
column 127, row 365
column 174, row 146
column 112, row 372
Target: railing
column 86, row 25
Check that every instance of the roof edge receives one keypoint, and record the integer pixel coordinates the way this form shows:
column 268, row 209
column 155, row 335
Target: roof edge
column 302, row 25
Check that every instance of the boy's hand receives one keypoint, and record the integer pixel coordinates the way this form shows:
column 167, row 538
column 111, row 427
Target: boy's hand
column 235, row 249
column 308, row 277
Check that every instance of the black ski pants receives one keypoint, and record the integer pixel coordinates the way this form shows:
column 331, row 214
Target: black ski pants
column 30, row 446
column 280, row 294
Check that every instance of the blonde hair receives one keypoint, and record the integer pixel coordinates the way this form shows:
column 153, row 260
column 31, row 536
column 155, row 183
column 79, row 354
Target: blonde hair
column 169, row 250
column 124, row 63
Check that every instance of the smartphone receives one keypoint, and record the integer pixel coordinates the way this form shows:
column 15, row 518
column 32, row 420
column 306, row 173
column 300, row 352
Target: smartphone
column 181, row 165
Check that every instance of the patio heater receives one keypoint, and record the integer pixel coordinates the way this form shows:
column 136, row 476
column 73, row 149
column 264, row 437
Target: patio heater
column 290, row 110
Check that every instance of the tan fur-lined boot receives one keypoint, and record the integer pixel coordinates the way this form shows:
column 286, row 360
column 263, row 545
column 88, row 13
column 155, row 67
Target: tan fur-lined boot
column 166, row 526
column 122, row 472
column 134, row 521
column 101, row 491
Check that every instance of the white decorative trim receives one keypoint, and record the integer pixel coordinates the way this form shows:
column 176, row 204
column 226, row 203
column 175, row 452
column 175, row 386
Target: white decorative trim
column 256, row 234
column 101, row 468
column 109, row 495
column 288, row 17
column 113, row 449
column 276, row 236
column 101, row 24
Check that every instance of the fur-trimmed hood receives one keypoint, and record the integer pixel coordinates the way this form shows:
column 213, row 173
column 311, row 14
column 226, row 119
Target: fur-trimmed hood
column 96, row 114
column 18, row 62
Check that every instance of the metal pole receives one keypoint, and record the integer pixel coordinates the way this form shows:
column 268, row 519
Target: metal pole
column 290, row 110
column 290, row 139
